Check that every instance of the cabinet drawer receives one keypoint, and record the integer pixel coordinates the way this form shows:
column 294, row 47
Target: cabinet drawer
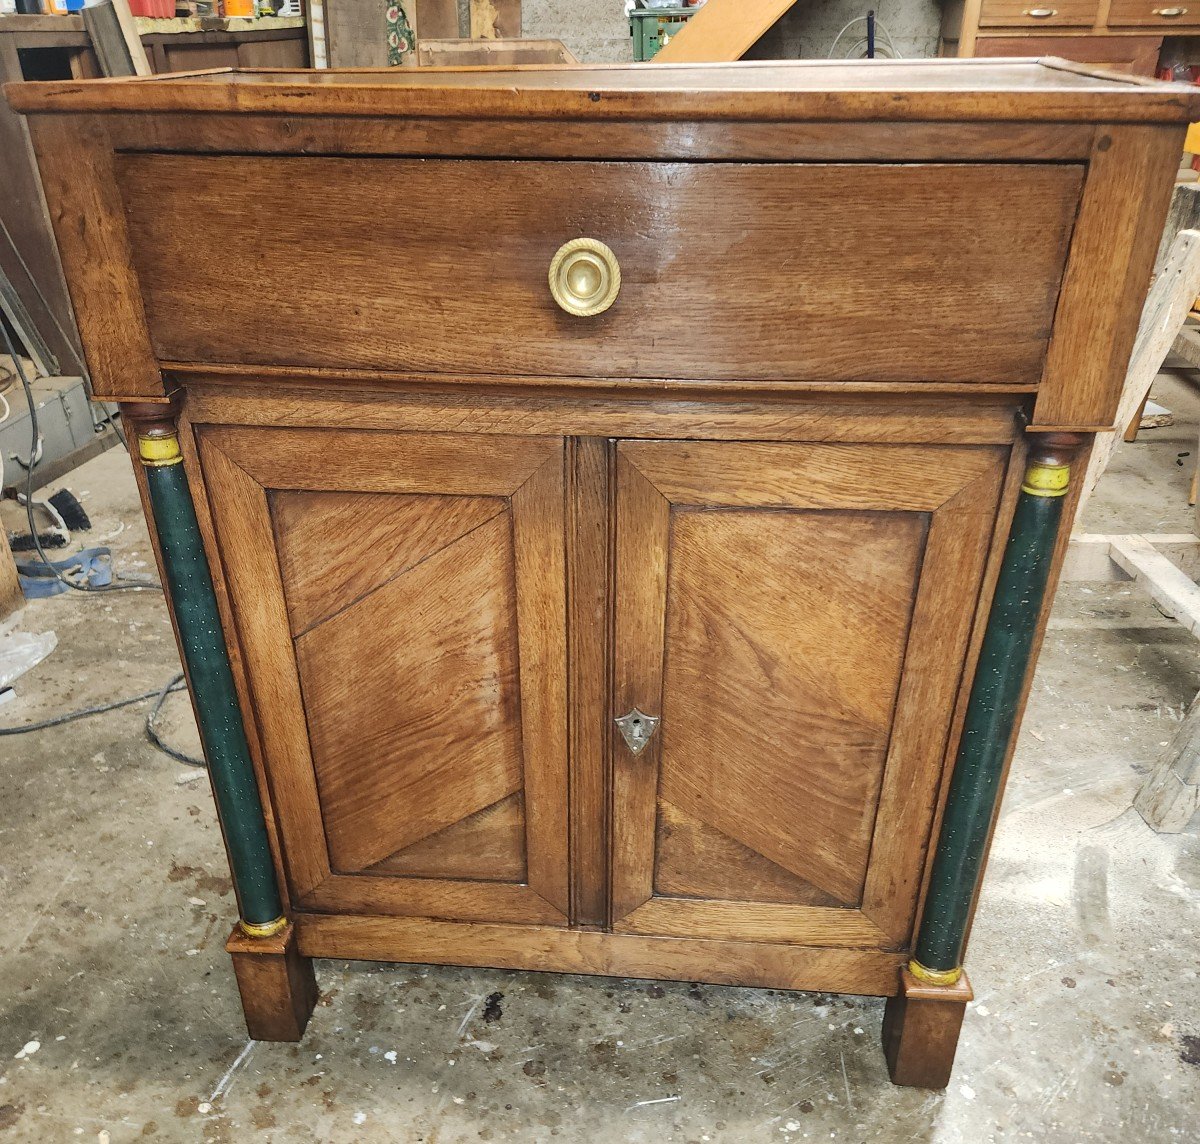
column 1133, row 55
column 1038, row 13
column 1154, row 13
column 733, row 271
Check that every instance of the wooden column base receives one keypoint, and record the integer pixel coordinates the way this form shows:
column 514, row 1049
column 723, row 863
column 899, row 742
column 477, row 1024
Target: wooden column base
column 920, row 1030
column 277, row 984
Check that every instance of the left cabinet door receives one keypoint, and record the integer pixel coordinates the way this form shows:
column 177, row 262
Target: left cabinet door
column 400, row 605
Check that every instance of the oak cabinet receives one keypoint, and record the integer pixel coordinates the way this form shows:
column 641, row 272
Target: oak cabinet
column 609, row 514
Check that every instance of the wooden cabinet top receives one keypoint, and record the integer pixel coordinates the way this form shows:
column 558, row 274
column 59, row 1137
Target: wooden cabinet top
column 975, row 227
column 1022, row 90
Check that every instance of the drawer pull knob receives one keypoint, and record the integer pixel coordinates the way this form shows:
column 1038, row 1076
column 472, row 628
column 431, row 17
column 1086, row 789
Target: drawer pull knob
column 1041, row 13
column 585, row 277
column 637, row 729
column 1170, row 12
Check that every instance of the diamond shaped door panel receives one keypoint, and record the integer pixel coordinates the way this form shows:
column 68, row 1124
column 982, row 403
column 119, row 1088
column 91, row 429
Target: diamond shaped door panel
column 421, row 728
column 415, row 658
column 767, row 643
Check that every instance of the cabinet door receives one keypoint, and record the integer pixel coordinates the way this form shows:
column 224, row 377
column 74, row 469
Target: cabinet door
column 797, row 616
column 400, row 604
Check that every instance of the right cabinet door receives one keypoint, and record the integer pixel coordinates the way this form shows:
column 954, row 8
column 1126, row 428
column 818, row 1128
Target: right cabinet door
column 797, row 616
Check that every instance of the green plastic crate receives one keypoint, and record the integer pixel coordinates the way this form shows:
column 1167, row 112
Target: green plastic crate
column 651, row 28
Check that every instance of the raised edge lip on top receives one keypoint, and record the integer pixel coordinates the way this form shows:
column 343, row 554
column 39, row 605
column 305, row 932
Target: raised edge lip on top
column 975, row 89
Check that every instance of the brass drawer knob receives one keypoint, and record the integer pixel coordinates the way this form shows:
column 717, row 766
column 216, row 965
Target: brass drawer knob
column 585, row 277
column 1170, row 12
column 1041, row 13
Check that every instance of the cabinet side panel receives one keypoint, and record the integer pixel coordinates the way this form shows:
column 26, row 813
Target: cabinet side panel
column 1125, row 200
column 76, row 162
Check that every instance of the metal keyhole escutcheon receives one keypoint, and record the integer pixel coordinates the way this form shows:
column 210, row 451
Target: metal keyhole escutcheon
column 637, row 729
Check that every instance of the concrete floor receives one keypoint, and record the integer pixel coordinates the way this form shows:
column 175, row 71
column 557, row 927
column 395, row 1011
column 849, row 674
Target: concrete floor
column 117, row 901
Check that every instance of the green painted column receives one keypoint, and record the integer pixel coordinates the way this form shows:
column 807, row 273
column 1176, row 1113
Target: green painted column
column 218, row 714
column 991, row 714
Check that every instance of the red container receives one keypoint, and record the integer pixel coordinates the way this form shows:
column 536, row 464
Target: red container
column 157, row 9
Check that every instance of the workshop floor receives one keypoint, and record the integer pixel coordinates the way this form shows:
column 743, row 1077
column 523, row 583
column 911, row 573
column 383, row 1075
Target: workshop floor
column 119, row 1015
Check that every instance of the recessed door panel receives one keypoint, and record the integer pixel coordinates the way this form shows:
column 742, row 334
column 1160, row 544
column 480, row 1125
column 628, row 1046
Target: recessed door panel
column 790, row 613
column 404, row 635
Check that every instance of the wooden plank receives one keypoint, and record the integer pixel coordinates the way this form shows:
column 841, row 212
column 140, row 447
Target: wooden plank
column 852, row 476
column 242, row 534
column 28, row 255
column 355, row 34
column 495, row 19
column 1171, row 299
column 827, row 90
column 255, row 133
column 1170, row 796
column 832, row 927
column 1175, row 593
column 642, row 528
column 762, row 964
column 722, row 30
column 539, row 550
column 1187, row 346
column 1134, row 55
column 11, row 597
column 1088, row 557
column 115, row 38
column 29, row 338
column 491, row 53
column 589, row 568
column 437, row 20
column 1182, row 214
column 663, row 411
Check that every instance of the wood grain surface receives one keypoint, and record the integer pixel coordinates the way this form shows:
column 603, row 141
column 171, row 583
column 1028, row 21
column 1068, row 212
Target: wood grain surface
column 412, row 644
column 411, row 699
column 792, row 567
column 438, row 942
column 529, row 138
column 727, row 271
column 830, row 90
column 93, row 243
column 1120, row 223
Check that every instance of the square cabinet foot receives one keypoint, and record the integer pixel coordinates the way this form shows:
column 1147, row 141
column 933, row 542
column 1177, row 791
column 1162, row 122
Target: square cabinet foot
column 920, row 1030
column 277, row 984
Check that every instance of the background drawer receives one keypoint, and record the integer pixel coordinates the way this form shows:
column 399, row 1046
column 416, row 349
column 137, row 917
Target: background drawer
column 1038, row 13
column 1154, row 13
column 1133, row 55
column 910, row 273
